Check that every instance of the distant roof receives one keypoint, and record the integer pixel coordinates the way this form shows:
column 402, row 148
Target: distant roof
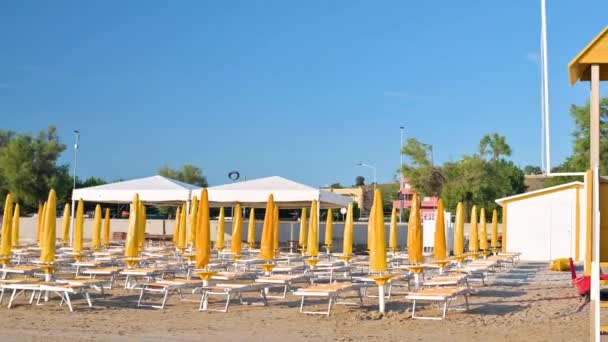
column 534, row 182
column 596, row 52
column 155, row 189
column 540, row 192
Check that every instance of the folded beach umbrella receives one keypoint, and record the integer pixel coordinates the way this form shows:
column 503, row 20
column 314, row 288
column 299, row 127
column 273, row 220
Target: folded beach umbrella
column 181, row 243
column 65, row 225
column 473, row 234
column 141, row 220
column 414, row 227
column 276, row 225
column 39, row 221
column 193, row 220
column 78, row 227
column 494, row 242
column 303, row 230
column 41, row 227
column 267, row 242
column 392, row 235
column 15, row 226
column 329, row 230
column 377, row 257
column 237, row 230
column 347, row 243
column 106, row 228
column 312, row 246
column 203, row 233
column 178, row 216
column 483, row 233
column 131, row 245
column 251, row 228
column 47, row 250
column 5, row 246
column 370, row 228
column 459, row 230
column 221, row 230
column 439, row 246
column 96, row 240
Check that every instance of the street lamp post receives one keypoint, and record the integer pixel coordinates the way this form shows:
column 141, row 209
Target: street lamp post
column 401, row 176
column 373, row 169
column 76, row 146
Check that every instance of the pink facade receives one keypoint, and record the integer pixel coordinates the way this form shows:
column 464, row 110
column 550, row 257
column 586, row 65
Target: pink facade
column 428, row 205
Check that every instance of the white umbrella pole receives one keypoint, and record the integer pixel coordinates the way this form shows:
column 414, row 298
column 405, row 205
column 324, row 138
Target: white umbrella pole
column 381, row 301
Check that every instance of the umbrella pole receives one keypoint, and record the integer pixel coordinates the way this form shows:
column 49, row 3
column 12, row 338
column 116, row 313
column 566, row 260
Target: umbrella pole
column 381, row 301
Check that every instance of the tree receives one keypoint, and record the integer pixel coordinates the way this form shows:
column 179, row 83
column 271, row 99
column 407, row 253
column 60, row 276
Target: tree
column 494, row 145
column 187, row 174
column 28, row 167
column 532, row 170
column 420, row 170
column 359, row 181
column 579, row 160
column 91, row 181
column 336, row 186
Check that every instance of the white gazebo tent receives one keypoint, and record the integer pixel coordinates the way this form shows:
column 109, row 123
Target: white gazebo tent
column 151, row 190
column 287, row 194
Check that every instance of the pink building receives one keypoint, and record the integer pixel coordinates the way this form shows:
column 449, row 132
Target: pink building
column 428, row 205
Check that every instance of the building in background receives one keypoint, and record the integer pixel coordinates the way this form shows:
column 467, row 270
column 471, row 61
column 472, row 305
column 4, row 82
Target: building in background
column 428, row 205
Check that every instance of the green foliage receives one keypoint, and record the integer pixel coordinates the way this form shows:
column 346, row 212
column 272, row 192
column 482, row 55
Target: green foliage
column 390, row 192
column 187, row 174
column 532, row 170
column 91, row 181
column 421, row 173
column 28, row 167
column 336, row 186
column 579, row 160
column 494, row 145
column 359, row 181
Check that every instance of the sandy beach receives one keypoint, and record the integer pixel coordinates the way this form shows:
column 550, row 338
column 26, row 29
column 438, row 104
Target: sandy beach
column 526, row 302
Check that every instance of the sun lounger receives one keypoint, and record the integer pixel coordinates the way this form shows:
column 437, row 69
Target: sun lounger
column 399, row 280
column 133, row 274
column 330, row 272
column 110, row 272
column 289, row 269
column 232, row 276
column 330, row 291
column 231, row 291
column 62, row 290
column 450, row 280
column 285, row 281
column 21, row 270
column 439, row 295
column 165, row 288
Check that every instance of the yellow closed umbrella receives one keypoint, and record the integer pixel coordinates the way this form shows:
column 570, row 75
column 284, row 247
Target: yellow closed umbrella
column 5, row 245
column 494, row 229
column 106, row 228
column 237, row 231
column 377, row 257
column 182, row 228
column 41, row 228
column 15, row 226
column 312, row 245
column 473, row 234
column 141, row 238
column 370, row 229
column 65, row 225
column 439, row 245
column 459, row 230
column 267, row 242
column 483, row 233
column 47, row 251
column 392, row 235
column 193, row 220
column 329, row 230
column 303, row 230
column 131, row 245
column 221, row 230
column 178, row 217
column 251, row 229
column 414, row 228
column 276, row 228
column 347, row 243
column 39, row 221
column 96, row 240
column 78, row 227
column 203, row 233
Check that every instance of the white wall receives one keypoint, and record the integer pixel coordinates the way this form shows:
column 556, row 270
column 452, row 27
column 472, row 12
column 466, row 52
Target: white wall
column 543, row 228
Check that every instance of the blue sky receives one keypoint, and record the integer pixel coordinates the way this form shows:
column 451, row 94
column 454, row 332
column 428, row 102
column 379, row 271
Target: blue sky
column 299, row 89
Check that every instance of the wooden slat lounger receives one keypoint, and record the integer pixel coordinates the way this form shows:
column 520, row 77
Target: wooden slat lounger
column 449, row 280
column 331, row 292
column 22, row 270
column 285, row 281
column 147, row 273
column 399, row 280
column 62, row 290
column 438, row 294
column 110, row 272
column 231, row 291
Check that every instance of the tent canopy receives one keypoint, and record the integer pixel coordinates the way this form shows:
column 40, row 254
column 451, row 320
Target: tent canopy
column 287, row 194
column 153, row 190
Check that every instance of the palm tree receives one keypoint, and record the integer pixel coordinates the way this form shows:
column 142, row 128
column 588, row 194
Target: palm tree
column 494, row 145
